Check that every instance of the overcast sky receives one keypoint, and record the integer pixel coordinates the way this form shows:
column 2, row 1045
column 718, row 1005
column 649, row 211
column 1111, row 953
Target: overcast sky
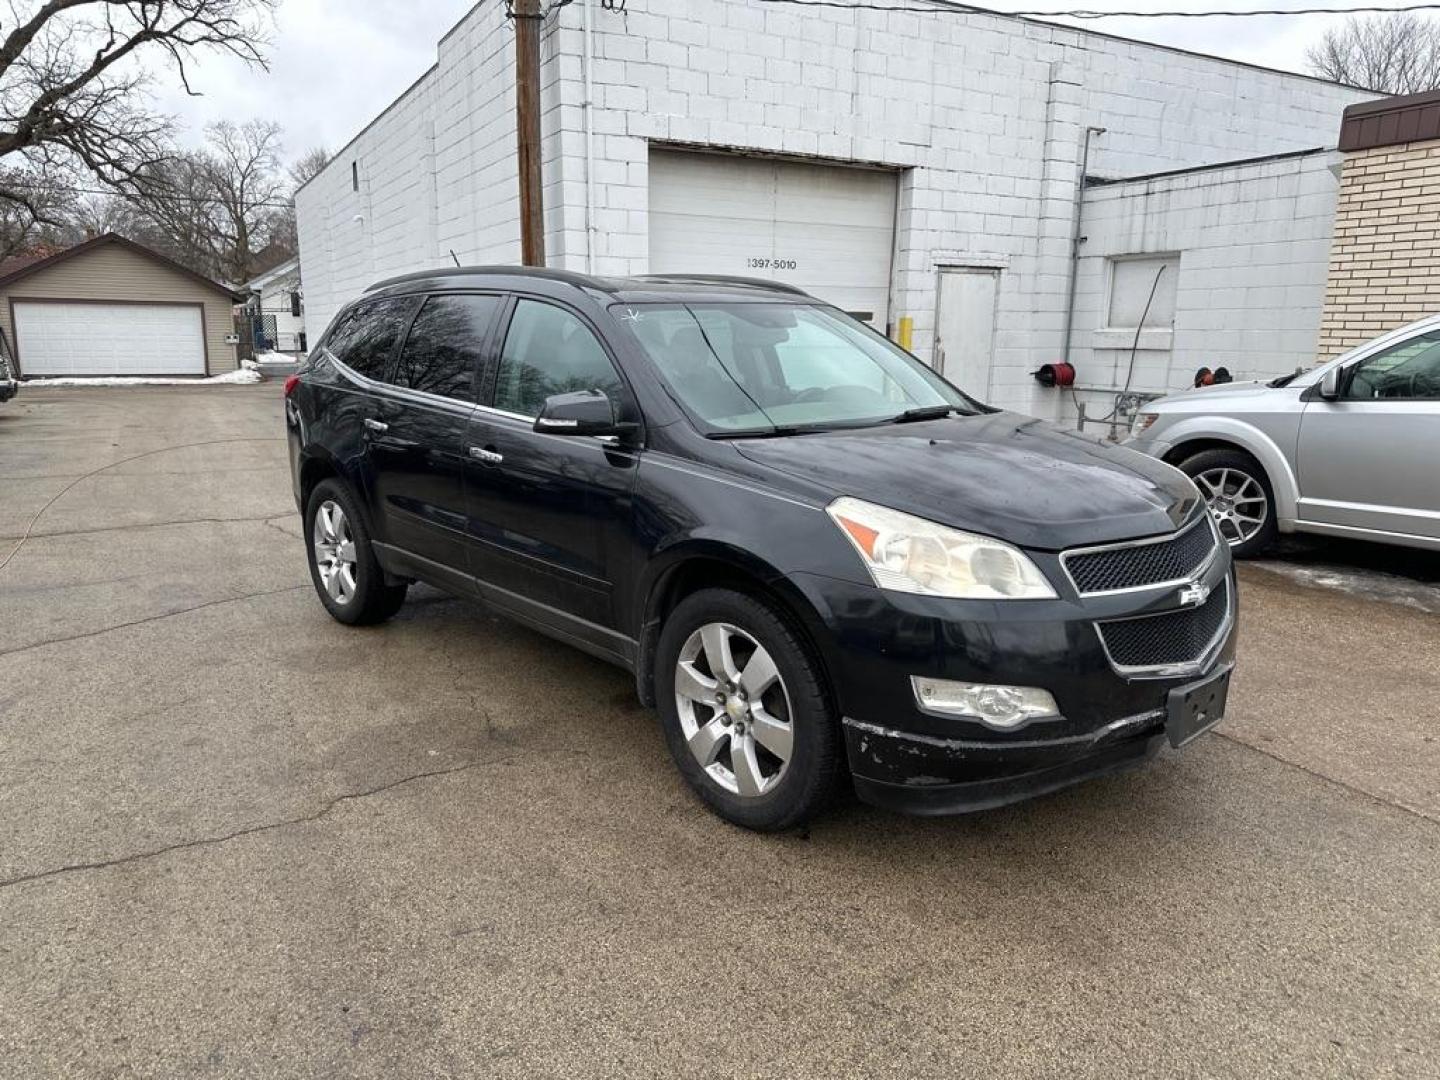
column 334, row 64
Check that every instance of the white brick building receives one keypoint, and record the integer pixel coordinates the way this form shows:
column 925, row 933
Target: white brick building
column 1245, row 249
column 950, row 140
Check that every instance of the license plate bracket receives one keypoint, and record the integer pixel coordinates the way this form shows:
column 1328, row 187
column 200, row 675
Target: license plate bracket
column 1195, row 708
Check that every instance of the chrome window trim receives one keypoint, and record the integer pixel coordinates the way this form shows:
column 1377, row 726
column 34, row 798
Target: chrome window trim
column 467, row 408
column 1169, row 671
column 1158, row 586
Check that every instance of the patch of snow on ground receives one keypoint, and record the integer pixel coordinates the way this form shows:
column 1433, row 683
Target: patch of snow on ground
column 241, row 377
column 278, row 358
column 1371, row 584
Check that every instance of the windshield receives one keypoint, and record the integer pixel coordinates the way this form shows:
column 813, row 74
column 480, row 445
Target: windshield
column 767, row 368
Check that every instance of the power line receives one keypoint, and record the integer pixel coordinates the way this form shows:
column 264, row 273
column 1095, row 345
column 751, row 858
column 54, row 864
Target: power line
column 944, row 7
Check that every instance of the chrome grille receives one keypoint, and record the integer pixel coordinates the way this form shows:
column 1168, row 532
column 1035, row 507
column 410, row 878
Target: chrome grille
column 1172, row 638
column 1141, row 565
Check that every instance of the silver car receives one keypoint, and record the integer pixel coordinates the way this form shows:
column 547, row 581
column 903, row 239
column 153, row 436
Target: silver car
column 1350, row 448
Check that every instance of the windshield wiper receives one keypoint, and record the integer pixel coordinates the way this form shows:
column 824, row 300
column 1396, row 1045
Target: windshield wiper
column 770, row 432
column 1283, row 380
column 924, row 412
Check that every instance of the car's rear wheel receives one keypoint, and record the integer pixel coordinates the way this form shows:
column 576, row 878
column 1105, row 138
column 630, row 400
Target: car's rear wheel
column 745, row 711
column 1239, row 496
column 347, row 577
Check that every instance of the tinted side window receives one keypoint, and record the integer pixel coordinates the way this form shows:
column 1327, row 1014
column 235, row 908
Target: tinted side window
column 365, row 341
column 1408, row 371
column 443, row 350
column 549, row 351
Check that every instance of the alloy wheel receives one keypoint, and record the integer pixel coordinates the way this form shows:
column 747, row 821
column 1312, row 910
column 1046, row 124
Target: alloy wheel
column 334, row 551
column 1237, row 502
column 734, row 709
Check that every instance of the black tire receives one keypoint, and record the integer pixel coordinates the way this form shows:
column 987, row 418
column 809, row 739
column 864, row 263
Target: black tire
column 1240, row 464
column 814, row 770
column 373, row 600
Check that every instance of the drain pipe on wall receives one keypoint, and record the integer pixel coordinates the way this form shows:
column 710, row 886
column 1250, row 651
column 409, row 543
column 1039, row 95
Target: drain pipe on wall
column 587, row 62
column 1075, row 241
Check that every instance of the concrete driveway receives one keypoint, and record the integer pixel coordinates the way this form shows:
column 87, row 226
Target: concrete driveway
column 238, row 839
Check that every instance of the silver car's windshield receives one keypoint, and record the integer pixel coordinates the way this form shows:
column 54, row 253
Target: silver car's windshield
column 762, row 368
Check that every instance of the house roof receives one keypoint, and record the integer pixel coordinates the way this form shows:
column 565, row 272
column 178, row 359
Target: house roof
column 259, row 281
column 12, row 270
column 19, row 262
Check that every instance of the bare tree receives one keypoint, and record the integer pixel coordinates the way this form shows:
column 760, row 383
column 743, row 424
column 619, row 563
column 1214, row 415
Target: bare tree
column 1394, row 54
column 248, row 189
column 70, row 71
column 172, row 210
column 34, row 209
column 220, row 210
column 308, row 165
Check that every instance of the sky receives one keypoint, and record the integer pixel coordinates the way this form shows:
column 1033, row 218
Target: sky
column 335, row 64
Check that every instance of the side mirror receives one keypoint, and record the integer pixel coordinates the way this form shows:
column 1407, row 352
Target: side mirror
column 1330, row 384
column 584, row 412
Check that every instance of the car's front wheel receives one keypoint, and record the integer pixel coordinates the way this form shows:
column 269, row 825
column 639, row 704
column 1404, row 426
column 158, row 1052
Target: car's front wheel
column 1239, row 496
column 347, row 577
column 745, row 711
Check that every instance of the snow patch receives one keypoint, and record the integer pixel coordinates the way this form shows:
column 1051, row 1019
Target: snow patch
column 278, row 358
column 242, row 377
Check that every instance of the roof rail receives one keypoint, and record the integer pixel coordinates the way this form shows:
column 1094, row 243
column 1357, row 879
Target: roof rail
column 569, row 277
column 722, row 279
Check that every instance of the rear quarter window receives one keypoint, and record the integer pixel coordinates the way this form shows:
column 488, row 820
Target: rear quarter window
column 365, row 341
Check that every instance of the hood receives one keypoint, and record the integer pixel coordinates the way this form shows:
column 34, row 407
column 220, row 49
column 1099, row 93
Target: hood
column 1023, row 480
column 1213, row 394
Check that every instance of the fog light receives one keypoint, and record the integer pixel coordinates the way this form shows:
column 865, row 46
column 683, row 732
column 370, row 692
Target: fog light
column 1000, row 707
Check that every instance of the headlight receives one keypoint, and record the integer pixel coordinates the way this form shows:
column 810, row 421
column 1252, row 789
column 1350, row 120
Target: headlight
column 912, row 555
column 1141, row 422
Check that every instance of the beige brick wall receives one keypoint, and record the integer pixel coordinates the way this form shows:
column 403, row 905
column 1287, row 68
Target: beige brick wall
column 1385, row 255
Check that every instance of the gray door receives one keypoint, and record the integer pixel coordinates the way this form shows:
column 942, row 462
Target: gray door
column 965, row 328
column 1369, row 459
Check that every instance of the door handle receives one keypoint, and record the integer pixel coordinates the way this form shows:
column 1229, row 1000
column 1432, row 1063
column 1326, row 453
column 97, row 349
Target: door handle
column 490, row 457
column 376, row 425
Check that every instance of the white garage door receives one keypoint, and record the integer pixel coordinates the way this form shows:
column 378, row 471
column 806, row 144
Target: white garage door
column 827, row 229
column 110, row 339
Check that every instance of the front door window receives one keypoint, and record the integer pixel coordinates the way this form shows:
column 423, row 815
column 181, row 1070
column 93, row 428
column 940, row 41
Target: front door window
column 549, row 351
column 1409, row 371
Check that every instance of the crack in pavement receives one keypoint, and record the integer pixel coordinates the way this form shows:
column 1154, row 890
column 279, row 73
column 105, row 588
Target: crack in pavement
column 21, row 478
column 253, row 830
column 273, row 518
column 151, row 618
column 29, row 528
column 148, row 525
column 1423, row 815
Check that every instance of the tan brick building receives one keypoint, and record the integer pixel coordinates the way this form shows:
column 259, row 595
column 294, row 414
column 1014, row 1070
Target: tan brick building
column 1385, row 255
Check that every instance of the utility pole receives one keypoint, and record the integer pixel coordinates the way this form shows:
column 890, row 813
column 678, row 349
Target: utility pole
column 528, row 15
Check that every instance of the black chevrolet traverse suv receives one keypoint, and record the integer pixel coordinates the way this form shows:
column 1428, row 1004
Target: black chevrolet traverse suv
column 817, row 557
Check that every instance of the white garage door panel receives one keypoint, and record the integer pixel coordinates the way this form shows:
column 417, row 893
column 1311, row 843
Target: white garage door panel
column 109, row 339
column 712, row 214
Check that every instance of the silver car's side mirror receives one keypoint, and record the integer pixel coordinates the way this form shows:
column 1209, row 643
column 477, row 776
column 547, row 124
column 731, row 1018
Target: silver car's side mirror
column 1330, row 384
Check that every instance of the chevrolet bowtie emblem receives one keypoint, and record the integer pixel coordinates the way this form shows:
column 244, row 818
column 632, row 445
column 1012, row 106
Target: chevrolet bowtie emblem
column 1194, row 594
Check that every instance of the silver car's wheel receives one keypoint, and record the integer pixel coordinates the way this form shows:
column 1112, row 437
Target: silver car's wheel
column 734, row 710
column 334, row 552
column 1238, row 502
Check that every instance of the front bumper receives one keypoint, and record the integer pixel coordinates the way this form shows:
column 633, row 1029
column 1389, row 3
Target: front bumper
column 905, row 758
column 1044, row 769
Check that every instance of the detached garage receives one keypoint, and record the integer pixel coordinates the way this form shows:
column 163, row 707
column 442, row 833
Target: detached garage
column 110, row 306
